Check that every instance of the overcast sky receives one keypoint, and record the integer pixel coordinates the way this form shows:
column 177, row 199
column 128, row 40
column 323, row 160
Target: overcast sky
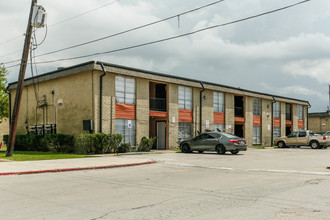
column 285, row 53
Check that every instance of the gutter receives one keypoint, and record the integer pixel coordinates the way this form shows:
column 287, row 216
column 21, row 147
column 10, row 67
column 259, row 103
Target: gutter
column 272, row 121
column 201, row 107
column 101, row 92
column 309, row 105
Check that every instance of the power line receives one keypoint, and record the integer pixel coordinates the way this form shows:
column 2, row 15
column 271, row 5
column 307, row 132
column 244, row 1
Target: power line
column 179, row 36
column 126, row 31
column 76, row 16
column 102, row 6
column 132, row 29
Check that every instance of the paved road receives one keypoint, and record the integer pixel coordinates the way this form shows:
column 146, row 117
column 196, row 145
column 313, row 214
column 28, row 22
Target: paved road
column 257, row 184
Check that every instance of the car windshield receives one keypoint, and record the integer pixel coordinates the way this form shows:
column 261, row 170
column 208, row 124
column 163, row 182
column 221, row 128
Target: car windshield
column 229, row 135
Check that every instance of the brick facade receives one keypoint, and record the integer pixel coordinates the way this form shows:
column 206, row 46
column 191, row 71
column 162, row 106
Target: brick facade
column 79, row 89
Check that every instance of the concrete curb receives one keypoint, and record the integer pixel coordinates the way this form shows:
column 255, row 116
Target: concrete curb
column 76, row 169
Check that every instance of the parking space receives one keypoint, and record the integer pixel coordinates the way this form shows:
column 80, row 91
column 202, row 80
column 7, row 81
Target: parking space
column 302, row 159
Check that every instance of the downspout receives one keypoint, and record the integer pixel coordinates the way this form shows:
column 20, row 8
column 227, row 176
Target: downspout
column 101, row 92
column 9, row 99
column 272, row 121
column 201, row 107
column 309, row 105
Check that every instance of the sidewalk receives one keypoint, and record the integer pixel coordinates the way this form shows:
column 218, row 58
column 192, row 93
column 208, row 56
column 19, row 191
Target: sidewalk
column 63, row 165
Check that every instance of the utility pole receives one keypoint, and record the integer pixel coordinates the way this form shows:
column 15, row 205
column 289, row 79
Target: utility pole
column 20, row 84
column 329, row 100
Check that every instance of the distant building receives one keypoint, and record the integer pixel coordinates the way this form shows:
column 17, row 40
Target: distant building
column 137, row 103
column 319, row 122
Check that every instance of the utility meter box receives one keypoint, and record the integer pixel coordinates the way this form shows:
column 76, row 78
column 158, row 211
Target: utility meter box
column 39, row 16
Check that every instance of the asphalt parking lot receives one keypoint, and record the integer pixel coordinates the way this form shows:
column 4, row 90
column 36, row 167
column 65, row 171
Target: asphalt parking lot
column 257, row 184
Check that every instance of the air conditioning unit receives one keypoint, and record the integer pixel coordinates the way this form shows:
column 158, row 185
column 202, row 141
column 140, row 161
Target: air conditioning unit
column 39, row 16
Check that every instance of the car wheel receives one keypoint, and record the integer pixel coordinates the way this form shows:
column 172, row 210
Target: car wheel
column 221, row 149
column 298, row 146
column 314, row 144
column 234, row 151
column 200, row 151
column 186, row 148
column 280, row 144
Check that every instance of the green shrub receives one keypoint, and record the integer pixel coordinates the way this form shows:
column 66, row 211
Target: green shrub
column 112, row 143
column 123, row 148
column 86, row 142
column 60, row 142
column 100, row 143
column 5, row 139
column 146, row 144
column 30, row 142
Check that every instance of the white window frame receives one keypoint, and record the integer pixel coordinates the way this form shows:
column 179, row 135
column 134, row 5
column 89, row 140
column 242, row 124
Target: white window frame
column 218, row 102
column 220, row 126
column 256, row 135
column 185, row 131
column 125, row 90
column 129, row 134
column 185, row 97
column 277, row 110
column 300, row 112
column 276, row 132
column 256, row 107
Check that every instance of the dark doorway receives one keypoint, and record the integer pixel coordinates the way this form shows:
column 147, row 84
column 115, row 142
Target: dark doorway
column 287, row 131
column 239, row 130
column 157, row 94
column 239, row 106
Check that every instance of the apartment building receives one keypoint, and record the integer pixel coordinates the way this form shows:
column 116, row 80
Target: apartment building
column 101, row 97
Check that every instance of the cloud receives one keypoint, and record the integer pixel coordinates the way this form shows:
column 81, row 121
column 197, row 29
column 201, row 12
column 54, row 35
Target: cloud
column 294, row 91
column 316, row 69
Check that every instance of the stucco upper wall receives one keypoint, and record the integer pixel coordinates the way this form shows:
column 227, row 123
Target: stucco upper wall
column 74, row 92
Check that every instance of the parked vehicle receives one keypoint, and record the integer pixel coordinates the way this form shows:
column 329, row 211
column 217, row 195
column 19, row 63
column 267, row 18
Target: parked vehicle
column 303, row 138
column 327, row 134
column 214, row 141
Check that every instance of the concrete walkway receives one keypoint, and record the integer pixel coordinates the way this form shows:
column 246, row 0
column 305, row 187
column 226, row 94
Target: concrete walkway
column 62, row 165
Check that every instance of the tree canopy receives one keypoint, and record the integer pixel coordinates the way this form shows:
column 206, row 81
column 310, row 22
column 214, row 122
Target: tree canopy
column 4, row 100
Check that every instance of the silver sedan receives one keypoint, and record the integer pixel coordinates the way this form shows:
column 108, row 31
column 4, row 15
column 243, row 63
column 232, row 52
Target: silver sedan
column 214, row 141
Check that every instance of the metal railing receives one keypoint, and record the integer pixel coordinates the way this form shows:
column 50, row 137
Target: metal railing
column 157, row 104
column 239, row 112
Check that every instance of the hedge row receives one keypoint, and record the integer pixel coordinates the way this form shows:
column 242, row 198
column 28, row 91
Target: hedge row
column 49, row 142
column 86, row 143
column 103, row 143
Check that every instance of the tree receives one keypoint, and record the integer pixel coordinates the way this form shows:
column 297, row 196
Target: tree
column 4, row 99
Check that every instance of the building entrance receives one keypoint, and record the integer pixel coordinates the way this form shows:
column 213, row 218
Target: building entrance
column 239, row 130
column 161, row 135
column 287, row 131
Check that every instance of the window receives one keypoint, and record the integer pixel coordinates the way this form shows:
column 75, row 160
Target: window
column 125, row 90
column 302, row 134
column 184, row 130
column 215, row 135
column 293, row 134
column 219, row 127
column 276, row 132
column 185, row 97
column 256, row 135
column 288, row 112
column 256, row 107
column 300, row 112
column 218, row 102
column 277, row 110
column 126, row 128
